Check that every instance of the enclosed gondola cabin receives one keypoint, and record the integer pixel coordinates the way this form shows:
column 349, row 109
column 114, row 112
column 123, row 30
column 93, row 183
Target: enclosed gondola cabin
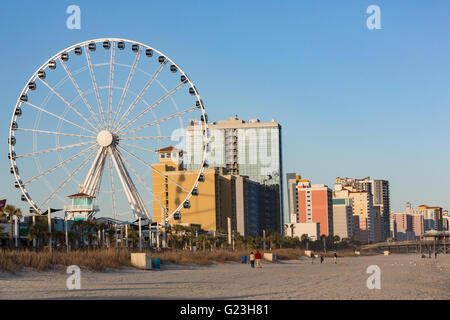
column 41, row 74
column 64, row 57
column 32, row 85
column 92, row 46
column 177, row 216
column 149, row 53
column 121, row 45
column 187, row 204
column 106, row 45
column 77, row 51
column 135, row 48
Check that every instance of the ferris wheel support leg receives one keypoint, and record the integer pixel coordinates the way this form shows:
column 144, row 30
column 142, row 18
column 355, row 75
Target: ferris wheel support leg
column 92, row 177
column 135, row 201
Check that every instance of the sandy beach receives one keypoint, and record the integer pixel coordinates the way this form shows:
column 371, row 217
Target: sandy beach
column 403, row 276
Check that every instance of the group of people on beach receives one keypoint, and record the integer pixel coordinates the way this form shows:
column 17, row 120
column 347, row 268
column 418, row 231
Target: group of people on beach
column 255, row 257
column 313, row 257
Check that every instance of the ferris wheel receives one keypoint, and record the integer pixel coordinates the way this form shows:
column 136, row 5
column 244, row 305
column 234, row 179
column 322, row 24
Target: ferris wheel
column 93, row 120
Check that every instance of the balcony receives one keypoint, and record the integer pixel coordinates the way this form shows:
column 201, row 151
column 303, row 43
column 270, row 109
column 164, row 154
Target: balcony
column 81, row 208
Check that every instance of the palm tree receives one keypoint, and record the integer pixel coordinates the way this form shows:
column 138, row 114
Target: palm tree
column 39, row 230
column 12, row 211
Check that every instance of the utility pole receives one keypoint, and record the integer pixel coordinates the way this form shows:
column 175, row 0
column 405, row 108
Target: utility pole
column 16, row 231
column 126, row 236
column 229, row 230
column 66, row 231
column 115, row 233
column 140, row 235
column 34, row 224
column 49, row 219
column 264, row 240
column 196, row 240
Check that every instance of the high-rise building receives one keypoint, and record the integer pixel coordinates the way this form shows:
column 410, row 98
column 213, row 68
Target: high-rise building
column 251, row 149
column 362, row 207
column 343, row 218
column 315, row 204
column 406, row 226
column 220, row 196
column 292, row 179
column 381, row 198
column 432, row 216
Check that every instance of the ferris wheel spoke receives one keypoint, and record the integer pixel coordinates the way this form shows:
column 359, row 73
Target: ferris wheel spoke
column 160, row 120
column 138, row 147
column 94, row 84
column 151, row 107
column 113, row 191
column 55, row 149
column 56, row 133
column 112, row 59
column 143, row 182
column 52, row 195
column 139, row 96
column 58, row 165
column 156, row 170
column 152, row 137
column 58, row 117
column 79, row 91
column 127, row 85
column 68, row 103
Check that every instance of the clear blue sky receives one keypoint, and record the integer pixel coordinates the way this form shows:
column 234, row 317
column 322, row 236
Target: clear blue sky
column 352, row 101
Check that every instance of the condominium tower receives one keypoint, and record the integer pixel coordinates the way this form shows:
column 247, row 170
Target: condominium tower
column 251, row 149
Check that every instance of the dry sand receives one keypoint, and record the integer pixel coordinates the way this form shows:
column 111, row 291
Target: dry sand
column 403, row 276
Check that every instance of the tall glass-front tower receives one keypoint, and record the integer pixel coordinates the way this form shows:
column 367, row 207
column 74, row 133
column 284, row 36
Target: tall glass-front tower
column 250, row 149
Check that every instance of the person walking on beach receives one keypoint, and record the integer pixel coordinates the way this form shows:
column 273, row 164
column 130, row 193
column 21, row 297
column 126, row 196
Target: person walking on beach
column 258, row 259
column 335, row 258
column 313, row 256
column 252, row 259
column 321, row 258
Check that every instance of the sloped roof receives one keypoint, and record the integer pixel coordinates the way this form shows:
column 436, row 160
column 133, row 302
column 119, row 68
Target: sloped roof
column 81, row 195
column 168, row 149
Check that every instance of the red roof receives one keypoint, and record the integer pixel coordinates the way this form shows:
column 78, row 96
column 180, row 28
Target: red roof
column 81, row 195
column 168, row 149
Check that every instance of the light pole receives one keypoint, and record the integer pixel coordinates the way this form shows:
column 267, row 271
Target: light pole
column 264, row 240
column 140, row 235
column 49, row 220
column 66, row 231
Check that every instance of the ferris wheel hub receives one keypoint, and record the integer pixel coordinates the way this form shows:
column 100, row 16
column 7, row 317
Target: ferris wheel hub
column 104, row 138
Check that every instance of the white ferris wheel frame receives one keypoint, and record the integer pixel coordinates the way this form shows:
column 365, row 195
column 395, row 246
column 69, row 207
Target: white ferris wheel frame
column 97, row 167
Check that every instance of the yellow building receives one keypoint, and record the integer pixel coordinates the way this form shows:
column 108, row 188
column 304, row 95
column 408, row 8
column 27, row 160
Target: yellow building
column 210, row 208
